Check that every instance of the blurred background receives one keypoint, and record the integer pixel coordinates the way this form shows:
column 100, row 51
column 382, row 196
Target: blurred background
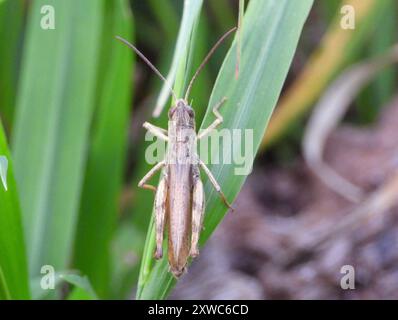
column 297, row 220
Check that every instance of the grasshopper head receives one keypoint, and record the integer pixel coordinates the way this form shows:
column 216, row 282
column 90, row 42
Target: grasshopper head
column 182, row 114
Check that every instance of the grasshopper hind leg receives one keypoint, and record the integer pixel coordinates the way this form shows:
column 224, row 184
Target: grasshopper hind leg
column 198, row 206
column 160, row 214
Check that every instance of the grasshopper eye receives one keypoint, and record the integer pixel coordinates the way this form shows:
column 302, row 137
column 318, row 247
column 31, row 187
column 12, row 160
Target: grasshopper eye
column 191, row 113
column 171, row 112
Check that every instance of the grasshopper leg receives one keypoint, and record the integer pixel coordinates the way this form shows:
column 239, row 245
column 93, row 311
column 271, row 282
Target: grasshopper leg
column 143, row 183
column 216, row 123
column 198, row 206
column 215, row 183
column 160, row 213
column 156, row 131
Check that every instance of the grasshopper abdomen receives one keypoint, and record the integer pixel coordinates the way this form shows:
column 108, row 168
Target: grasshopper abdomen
column 181, row 151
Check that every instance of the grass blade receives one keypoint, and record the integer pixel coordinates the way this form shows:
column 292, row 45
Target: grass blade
column 13, row 265
column 188, row 23
column 11, row 27
column 271, row 30
column 385, row 36
column 166, row 16
column 82, row 287
column 105, row 164
column 223, row 13
column 54, row 108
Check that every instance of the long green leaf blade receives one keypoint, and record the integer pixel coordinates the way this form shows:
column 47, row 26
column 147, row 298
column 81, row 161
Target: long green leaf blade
column 82, row 289
column 13, row 265
column 54, row 109
column 189, row 19
column 104, row 176
column 11, row 27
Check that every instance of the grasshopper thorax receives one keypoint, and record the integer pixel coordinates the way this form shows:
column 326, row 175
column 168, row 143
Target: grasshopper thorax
column 182, row 114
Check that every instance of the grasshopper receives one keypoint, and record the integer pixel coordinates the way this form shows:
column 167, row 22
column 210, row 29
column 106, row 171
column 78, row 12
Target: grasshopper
column 179, row 196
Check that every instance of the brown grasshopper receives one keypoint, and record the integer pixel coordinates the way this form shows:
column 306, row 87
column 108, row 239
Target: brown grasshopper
column 180, row 197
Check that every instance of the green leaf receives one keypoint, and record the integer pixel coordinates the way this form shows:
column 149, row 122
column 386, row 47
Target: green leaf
column 271, row 29
column 82, row 288
column 189, row 21
column 127, row 247
column 384, row 37
column 11, row 29
column 166, row 16
column 54, row 108
column 13, row 265
column 329, row 9
column 78, row 293
column 106, row 159
column 223, row 13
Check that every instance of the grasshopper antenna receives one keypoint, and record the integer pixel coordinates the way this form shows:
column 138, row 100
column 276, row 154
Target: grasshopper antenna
column 145, row 59
column 205, row 61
